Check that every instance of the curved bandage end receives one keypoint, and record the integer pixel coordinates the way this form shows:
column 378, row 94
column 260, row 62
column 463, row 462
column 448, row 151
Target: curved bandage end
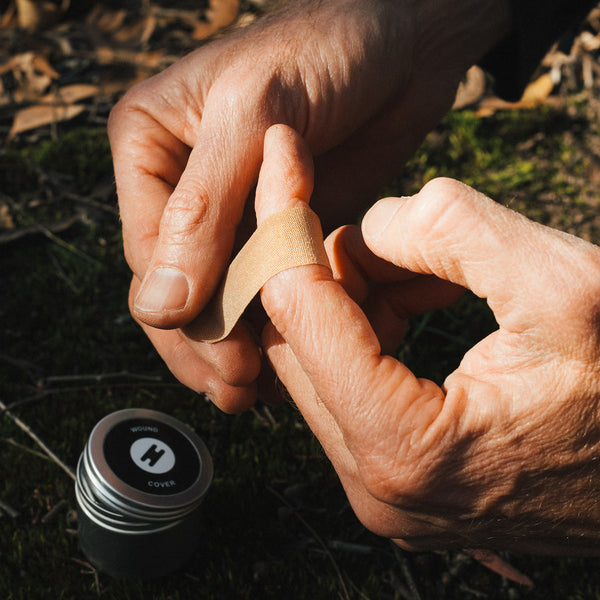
column 287, row 239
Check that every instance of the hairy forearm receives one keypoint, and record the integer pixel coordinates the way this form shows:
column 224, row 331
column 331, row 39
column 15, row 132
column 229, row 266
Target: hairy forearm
column 455, row 34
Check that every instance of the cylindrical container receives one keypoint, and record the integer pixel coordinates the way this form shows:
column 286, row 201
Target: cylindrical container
column 140, row 481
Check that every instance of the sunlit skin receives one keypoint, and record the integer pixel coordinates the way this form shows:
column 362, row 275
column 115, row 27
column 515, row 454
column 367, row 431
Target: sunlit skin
column 363, row 81
column 505, row 454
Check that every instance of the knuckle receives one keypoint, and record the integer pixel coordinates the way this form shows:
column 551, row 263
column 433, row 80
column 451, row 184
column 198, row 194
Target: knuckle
column 120, row 113
column 279, row 303
column 443, row 202
column 187, row 211
column 390, row 484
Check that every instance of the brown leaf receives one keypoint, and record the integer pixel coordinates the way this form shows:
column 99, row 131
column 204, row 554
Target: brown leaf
column 493, row 562
column 33, row 74
column 220, row 14
column 106, row 20
column 136, row 33
column 42, row 114
column 43, row 66
column 27, row 63
column 9, row 18
column 471, row 89
column 6, row 220
column 69, row 94
column 535, row 94
column 37, row 15
column 108, row 56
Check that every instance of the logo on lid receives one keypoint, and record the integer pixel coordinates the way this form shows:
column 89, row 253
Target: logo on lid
column 152, row 455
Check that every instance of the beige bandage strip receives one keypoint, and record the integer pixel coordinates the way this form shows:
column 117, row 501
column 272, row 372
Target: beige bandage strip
column 287, row 239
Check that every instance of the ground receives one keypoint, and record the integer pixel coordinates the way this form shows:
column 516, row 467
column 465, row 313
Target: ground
column 276, row 519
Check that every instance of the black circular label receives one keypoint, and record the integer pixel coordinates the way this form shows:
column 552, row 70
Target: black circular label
column 151, row 456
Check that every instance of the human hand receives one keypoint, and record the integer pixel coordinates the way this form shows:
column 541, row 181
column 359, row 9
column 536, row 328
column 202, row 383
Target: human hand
column 362, row 80
column 505, row 454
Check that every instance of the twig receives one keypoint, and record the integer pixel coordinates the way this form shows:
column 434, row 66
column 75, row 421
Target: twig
column 23, row 426
column 98, row 378
column 49, row 229
column 89, row 569
column 317, row 537
column 24, row 448
column 33, row 371
column 9, row 510
column 70, row 247
column 356, row 549
column 101, row 377
column 406, row 572
column 91, row 201
column 53, row 512
column 270, row 416
column 28, row 400
column 86, row 388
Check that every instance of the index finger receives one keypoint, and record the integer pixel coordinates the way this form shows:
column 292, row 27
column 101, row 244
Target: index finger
column 365, row 392
column 182, row 181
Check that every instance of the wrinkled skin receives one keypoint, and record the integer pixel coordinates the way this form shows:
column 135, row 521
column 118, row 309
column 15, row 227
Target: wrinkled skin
column 505, row 454
column 363, row 81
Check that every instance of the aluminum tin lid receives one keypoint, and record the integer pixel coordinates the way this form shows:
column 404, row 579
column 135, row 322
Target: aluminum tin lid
column 147, row 459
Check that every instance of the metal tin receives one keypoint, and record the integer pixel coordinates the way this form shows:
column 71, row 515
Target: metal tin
column 140, row 482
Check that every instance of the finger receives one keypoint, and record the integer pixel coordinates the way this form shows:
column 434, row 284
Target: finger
column 197, row 374
column 387, row 294
column 197, row 229
column 145, row 178
column 355, row 267
column 285, row 180
column 228, row 378
column 327, row 332
column 195, row 202
column 286, row 175
column 320, row 333
column 374, row 513
column 389, row 306
column 454, row 232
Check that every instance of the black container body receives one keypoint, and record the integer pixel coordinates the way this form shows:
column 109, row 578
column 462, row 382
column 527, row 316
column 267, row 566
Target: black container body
column 140, row 482
column 145, row 555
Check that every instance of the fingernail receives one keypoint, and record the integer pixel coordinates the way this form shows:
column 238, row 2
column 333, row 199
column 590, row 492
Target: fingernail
column 380, row 215
column 164, row 290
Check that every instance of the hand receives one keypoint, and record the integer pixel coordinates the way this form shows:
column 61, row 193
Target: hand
column 505, row 454
column 362, row 80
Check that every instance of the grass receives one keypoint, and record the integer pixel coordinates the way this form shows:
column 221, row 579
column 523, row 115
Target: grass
column 277, row 522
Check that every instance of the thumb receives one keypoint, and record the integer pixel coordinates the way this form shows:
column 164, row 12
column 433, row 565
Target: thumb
column 198, row 227
column 456, row 233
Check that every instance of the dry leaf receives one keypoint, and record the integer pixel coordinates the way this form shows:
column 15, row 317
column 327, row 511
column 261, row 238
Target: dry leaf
column 33, row 74
column 136, row 33
column 69, row 94
column 106, row 20
column 6, row 220
column 220, row 14
column 535, row 94
column 43, row 66
column 493, row 562
column 471, row 89
column 42, row 114
column 36, row 15
column 109, row 56
column 9, row 18
column 28, row 63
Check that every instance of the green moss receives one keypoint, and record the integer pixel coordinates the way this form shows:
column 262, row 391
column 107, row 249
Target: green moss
column 82, row 155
